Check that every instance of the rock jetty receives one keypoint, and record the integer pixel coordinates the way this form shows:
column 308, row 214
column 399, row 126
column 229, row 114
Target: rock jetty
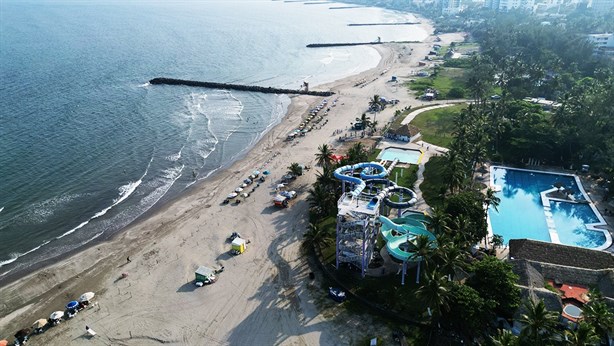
column 341, row 44
column 375, row 24
column 254, row 88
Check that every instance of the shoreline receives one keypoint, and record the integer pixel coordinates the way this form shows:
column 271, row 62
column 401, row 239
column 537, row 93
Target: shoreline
column 96, row 266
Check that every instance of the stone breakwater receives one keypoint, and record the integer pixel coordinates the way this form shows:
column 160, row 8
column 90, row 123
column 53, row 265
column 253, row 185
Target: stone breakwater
column 254, row 88
column 343, row 44
column 375, row 24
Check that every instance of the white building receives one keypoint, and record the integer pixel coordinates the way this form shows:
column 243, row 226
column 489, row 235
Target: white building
column 507, row 5
column 604, row 43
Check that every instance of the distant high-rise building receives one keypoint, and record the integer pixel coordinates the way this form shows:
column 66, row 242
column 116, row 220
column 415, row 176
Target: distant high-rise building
column 604, row 43
column 506, row 5
column 602, row 5
column 452, row 7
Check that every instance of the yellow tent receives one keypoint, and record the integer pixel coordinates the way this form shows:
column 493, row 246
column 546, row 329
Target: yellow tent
column 238, row 245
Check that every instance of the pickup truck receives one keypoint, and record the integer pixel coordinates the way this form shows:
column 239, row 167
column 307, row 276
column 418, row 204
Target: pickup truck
column 282, row 199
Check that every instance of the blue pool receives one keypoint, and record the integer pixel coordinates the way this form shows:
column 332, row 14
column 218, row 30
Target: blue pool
column 521, row 212
column 404, row 155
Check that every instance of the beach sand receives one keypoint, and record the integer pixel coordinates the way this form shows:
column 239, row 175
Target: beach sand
column 264, row 296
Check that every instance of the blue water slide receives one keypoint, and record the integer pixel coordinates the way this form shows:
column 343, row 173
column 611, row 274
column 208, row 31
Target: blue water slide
column 359, row 184
column 368, row 167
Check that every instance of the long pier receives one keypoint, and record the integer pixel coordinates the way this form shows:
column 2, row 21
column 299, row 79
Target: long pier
column 254, row 88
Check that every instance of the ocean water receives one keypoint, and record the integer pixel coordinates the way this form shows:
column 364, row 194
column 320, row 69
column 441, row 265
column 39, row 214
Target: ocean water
column 87, row 146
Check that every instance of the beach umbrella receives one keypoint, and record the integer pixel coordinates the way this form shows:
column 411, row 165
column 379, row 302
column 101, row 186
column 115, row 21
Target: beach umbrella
column 4, row 342
column 256, row 172
column 280, row 186
column 244, row 185
column 56, row 315
column 245, row 195
column 72, row 304
column 39, row 323
column 238, row 189
column 86, row 297
column 232, row 195
column 266, row 172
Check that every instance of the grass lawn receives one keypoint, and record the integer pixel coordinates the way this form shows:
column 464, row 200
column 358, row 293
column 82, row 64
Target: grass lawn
column 443, row 81
column 434, row 183
column 373, row 155
column 408, row 178
column 437, row 125
column 399, row 119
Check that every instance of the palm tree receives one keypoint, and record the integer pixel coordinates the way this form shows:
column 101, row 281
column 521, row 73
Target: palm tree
column 316, row 236
column 422, row 250
column 491, row 199
column 505, row 338
column 376, row 104
column 438, row 220
column 457, row 176
column 357, row 153
column 295, row 169
column 435, row 293
column 322, row 200
column 584, row 335
column 496, row 241
column 538, row 323
column 364, row 120
column 326, row 178
column 450, row 258
column 597, row 313
column 323, row 157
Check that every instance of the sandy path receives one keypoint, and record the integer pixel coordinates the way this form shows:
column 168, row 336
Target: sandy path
column 262, row 298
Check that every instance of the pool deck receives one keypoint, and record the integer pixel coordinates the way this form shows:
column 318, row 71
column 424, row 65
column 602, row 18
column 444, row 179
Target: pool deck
column 601, row 226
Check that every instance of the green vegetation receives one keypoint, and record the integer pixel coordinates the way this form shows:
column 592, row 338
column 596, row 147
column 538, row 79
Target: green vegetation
column 437, row 125
column 402, row 114
column 373, row 155
column 433, row 186
column 407, row 175
column 519, row 58
column 442, row 79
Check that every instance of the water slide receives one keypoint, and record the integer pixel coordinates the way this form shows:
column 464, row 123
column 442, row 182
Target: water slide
column 369, row 170
column 387, row 192
column 398, row 231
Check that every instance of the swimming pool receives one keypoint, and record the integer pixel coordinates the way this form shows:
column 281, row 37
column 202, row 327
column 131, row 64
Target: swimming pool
column 404, row 155
column 526, row 212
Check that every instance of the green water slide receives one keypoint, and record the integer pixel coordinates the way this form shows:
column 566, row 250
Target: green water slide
column 398, row 231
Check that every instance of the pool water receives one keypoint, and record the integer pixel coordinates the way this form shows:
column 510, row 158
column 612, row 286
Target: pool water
column 404, row 155
column 572, row 310
column 521, row 212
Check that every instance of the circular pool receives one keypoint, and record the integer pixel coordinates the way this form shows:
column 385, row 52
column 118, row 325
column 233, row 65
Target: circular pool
column 572, row 311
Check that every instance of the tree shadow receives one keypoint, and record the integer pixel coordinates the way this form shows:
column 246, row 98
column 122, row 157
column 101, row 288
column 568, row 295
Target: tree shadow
column 187, row 287
column 270, row 210
column 280, row 297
